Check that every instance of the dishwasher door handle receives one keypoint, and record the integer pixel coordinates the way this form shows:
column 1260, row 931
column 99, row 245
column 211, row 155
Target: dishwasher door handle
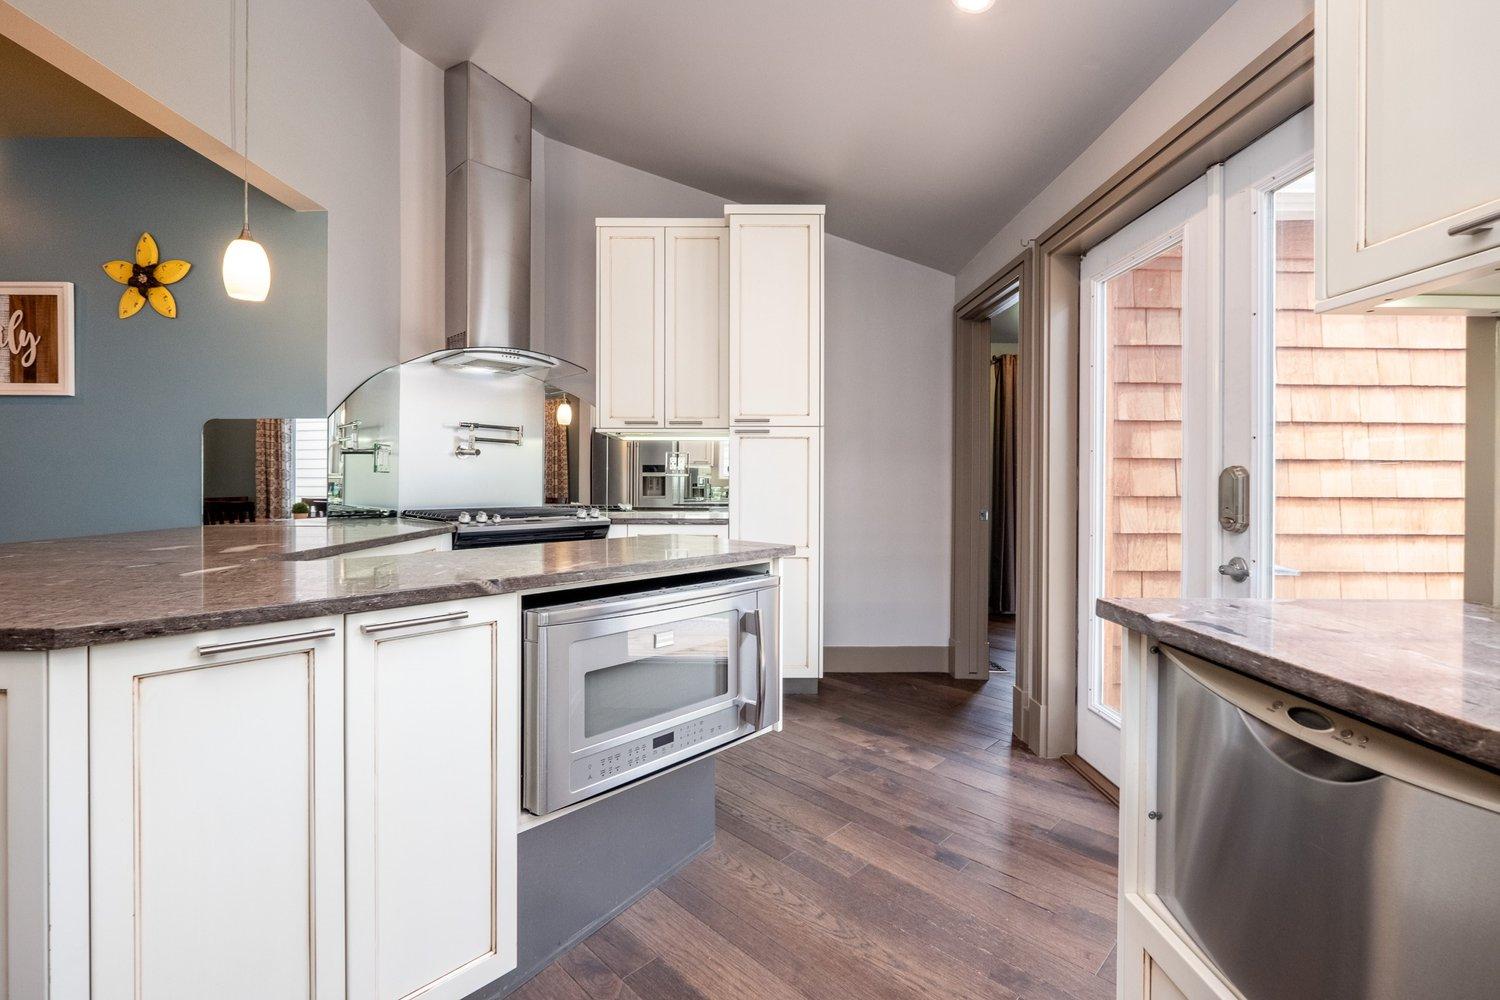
column 1304, row 758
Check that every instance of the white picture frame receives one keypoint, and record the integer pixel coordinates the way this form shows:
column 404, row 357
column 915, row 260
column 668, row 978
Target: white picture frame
column 32, row 344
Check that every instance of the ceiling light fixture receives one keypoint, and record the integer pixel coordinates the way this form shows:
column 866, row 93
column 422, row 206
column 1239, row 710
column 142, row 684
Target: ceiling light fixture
column 247, row 269
column 564, row 413
column 973, row 6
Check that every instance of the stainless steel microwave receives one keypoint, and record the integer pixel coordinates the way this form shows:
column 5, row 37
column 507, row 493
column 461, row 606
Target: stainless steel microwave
column 619, row 687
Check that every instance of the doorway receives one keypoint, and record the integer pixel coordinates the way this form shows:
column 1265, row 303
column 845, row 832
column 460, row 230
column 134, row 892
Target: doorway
column 1002, row 597
column 1202, row 362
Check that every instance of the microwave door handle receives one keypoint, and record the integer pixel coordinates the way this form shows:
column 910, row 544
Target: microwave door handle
column 760, row 665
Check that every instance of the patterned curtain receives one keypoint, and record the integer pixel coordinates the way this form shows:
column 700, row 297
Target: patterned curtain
column 555, row 445
column 1003, row 502
column 273, row 469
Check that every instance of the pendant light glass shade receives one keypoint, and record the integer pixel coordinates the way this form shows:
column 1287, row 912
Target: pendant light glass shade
column 247, row 269
column 564, row 413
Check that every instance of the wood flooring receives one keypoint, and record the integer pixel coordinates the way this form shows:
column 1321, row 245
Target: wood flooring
column 890, row 844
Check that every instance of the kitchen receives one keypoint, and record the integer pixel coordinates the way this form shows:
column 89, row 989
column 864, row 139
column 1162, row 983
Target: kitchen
column 572, row 412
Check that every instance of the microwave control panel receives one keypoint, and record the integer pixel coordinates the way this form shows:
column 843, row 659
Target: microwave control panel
column 643, row 753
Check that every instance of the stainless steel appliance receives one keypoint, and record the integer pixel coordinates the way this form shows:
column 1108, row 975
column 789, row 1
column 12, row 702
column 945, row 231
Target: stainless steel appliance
column 1310, row 855
column 618, row 686
column 658, row 472
column 481, row 527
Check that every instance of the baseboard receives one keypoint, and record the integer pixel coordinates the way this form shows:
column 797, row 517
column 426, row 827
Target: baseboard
column 885, row 659
column 799, row 685
column 1091, row 774
column 1026, row 713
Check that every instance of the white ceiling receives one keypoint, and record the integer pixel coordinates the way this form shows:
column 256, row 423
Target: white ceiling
column 922, row 128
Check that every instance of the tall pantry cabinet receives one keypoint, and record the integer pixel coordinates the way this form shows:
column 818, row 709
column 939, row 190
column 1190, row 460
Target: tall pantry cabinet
column 715, row 326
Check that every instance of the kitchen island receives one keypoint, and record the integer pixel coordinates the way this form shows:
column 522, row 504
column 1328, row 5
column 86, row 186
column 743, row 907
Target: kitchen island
column 284, row 760
column 1290, row 771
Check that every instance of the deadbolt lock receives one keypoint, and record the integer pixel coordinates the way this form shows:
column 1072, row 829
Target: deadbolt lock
column 1234, row 499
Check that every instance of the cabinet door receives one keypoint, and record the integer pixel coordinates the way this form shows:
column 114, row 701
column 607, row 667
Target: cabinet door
column 631, row 319
column 697, row 320
column 777, row 497
column 217, row 823
column 686, row 528
column 433, row 799
column 23, row 825
column 1405, row 144
column 776, row 319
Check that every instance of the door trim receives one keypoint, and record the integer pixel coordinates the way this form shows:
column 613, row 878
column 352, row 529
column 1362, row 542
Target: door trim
column 1270, row 89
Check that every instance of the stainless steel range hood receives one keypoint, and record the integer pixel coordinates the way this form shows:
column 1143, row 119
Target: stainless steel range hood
column 487, row 298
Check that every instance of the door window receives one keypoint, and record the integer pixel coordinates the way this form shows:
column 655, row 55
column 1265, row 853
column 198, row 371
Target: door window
column 647, row 675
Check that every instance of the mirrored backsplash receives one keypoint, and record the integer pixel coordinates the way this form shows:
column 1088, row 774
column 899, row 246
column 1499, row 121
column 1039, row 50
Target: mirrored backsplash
column 264, row 468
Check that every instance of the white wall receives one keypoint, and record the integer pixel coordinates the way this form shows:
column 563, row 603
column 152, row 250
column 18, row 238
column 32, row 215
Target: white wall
column 888, row 400
column 1243, row 32
column 324, row 118
column 887, row 454
column 422, row 218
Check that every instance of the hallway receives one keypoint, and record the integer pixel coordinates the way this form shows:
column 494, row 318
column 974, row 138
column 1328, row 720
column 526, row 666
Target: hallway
column 891, row 843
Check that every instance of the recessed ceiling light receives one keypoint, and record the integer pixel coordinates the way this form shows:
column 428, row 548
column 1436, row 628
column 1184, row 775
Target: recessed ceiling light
column 973, row 6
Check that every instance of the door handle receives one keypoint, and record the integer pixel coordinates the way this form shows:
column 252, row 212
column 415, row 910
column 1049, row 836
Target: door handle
column 1474, row 227
column 451, row 616
column 759, row 632
column 273, row 640
column 1236, row 569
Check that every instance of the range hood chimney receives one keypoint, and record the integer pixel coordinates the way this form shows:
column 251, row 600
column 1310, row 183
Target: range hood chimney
column 487, row 294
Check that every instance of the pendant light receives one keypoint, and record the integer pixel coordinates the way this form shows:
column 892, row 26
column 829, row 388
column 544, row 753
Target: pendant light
column 247, row 269
column 564, row 413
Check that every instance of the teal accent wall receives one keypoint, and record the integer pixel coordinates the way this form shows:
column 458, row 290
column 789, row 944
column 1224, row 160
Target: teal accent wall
column 125, row 452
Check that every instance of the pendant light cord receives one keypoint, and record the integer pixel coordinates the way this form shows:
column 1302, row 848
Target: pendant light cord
column 245, row 119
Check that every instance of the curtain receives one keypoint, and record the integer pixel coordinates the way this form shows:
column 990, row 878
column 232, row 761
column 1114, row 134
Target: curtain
column 273, row 468
column 1003, row 371
column 555, row 446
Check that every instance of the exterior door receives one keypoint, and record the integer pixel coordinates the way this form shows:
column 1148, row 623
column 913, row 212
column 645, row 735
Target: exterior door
column 1351, row 427
column 1147, row 321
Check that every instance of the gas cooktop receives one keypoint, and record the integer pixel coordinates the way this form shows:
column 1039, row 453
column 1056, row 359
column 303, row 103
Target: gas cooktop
column 475, row 527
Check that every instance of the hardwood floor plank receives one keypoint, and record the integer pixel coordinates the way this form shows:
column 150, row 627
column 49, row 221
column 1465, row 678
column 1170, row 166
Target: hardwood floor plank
column 589, row 972
column 619, row 949
column 699, row 956
column 891, row 844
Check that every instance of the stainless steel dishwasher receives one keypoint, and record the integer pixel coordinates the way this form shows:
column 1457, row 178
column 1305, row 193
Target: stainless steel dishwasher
column 1313, row 856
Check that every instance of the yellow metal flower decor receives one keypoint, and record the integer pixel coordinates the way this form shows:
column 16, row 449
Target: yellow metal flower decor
column 147, row 279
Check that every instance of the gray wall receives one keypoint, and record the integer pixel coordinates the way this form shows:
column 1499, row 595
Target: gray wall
column 229, row 458
column 124, row 453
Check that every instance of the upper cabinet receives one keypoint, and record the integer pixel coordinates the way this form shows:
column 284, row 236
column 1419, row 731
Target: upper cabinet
column 775, row 316
column 697, row 298
column 632, row 330
column 663, row 324
column 1408, row 202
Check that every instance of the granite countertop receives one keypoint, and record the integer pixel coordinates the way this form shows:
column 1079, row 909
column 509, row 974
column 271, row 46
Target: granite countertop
column 108, row 588
column 648, row 516
column 1429, row 670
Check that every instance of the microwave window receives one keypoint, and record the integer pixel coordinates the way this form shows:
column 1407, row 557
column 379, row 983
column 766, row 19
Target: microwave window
column 654, row 673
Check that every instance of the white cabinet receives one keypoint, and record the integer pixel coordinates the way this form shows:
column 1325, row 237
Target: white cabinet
column 408, row 547
column 775, row 316
column 697, row 320
column 433, row 772
column 23, row 824
column 663, row 324
column 1407, row 197
column 216, row 814
column 681, row 528
column 777, row 497
column 631, row 326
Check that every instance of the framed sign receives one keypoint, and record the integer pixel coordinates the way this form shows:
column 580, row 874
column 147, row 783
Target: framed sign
column 36, row 338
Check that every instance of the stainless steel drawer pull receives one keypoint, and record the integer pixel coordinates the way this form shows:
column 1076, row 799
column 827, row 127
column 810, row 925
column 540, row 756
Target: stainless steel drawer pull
column 1474, row 227
column 451, row 616
column 686, row 423
column 270, row 640
column 752, row 430
column 639, row 423
column 752, row 420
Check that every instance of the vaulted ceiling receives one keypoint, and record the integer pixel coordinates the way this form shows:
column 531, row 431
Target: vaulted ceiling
column 922, row 128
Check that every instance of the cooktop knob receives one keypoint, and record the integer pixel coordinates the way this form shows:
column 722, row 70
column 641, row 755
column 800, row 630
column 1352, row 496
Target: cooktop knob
column 581, row 513
column 481, row 517
column 595, row 512
column 463, row 517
